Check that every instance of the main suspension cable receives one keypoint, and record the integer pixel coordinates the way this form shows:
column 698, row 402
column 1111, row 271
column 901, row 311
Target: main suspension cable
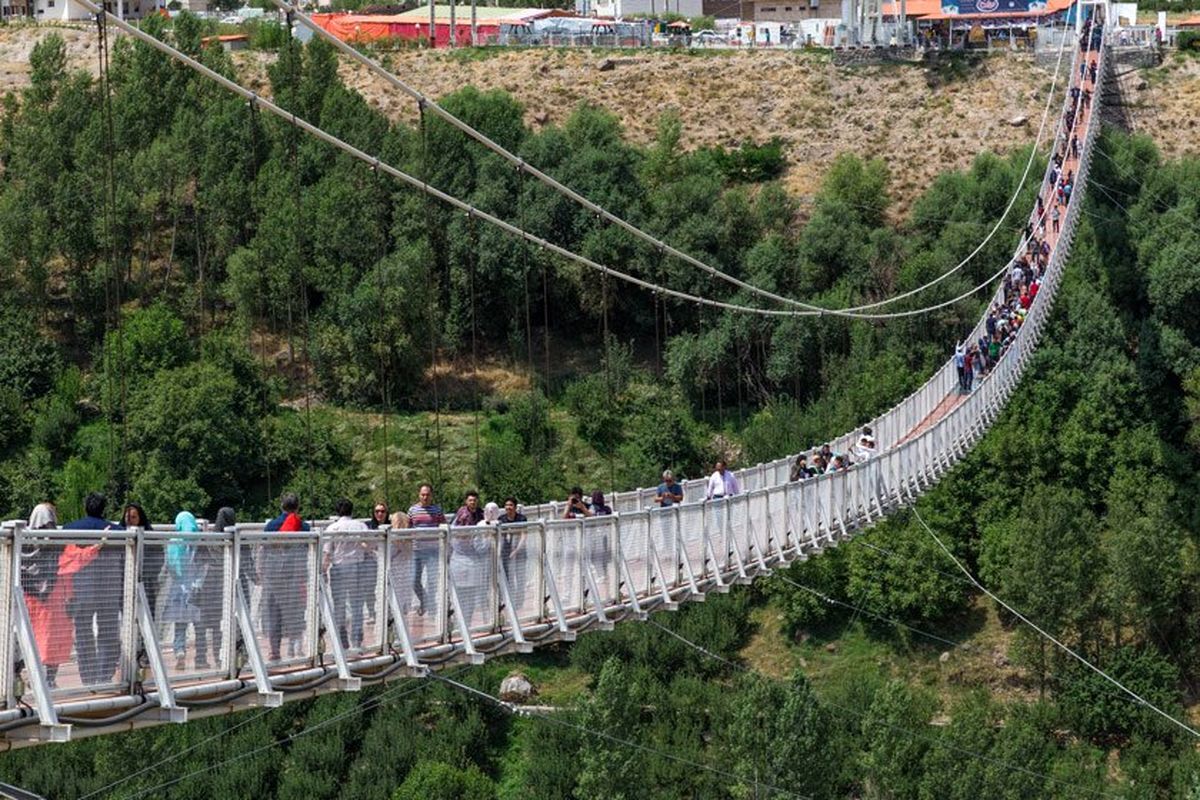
column 629, row 227
column 507, row 227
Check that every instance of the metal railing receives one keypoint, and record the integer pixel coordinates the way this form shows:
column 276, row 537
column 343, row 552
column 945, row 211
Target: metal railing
column 117, row 628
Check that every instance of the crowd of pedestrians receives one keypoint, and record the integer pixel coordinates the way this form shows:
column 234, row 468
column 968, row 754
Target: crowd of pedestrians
column 74, row 610
column 1006, row 316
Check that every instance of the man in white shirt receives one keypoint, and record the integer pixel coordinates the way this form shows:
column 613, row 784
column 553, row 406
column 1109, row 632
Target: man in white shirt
column 722, row 483
column 343, row 558
column 866, row 445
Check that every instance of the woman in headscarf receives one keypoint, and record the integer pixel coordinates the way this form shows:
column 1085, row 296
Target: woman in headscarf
column 134, row 516
column 211, row 603
column 491, row 515
column 186, row 573
column 46, row 577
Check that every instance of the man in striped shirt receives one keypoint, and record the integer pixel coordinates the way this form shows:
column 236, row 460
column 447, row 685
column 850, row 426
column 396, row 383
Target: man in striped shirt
column 424, row 514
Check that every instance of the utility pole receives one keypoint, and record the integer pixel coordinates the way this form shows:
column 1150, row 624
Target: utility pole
column 453, row 26
column 474, row 26
column 432, row 27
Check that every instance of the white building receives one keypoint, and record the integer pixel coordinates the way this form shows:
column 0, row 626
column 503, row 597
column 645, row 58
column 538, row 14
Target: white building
column 62, row 10
column 619, row 9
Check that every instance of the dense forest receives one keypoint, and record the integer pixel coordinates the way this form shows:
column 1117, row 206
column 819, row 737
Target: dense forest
column 202, row 308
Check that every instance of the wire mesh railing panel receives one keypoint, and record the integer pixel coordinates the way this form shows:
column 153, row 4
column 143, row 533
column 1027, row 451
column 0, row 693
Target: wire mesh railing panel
column 717, row 519
column 691, row 538
column 563, row 540
column 627, row 501
column 739, row 524
column 192, row 603
column 759, row 522
column 417, row 577
column 778, row 539
column 793, row 496
column 635, row 549
column 352, row 563
column 520, row 553
column 663, row 533
column 600, row 545
column 74, row 585
column 472, row 570
column 282, row 602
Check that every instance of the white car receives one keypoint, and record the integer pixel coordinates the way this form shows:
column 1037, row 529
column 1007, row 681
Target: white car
column 231, row 19
column 708, row 37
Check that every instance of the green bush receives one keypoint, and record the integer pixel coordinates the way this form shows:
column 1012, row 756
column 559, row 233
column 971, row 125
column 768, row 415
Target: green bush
column 433, row 780
column 506, row 468
column 151, row 339
column 750, row 163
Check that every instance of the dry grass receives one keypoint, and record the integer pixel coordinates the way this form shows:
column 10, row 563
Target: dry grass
column 847, row 649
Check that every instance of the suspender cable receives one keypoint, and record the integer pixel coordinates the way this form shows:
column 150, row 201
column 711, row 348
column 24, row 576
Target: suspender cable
column 112, row 293
column 525, row 274
column 657, row 341
column 474, row 262
column 546, row 327
column 434, row 332
column 629, row 227
column 608, row 378
column 507, row 227
column 385, row 352
column 298, row 262
column 263, row 294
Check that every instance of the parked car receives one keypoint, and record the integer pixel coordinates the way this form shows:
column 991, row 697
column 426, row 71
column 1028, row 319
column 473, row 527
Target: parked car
column 709, row 37
column 231, row 19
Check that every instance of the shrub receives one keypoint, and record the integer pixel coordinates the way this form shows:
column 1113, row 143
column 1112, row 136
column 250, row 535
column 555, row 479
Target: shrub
column 1188, row 40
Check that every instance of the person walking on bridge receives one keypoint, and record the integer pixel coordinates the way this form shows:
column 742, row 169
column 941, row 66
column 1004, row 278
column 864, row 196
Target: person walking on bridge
column 187, row 572
column 425, row 513
column 669, row 492
column 341, row 561
column 722, row 483
column 282, row 569
column 95, row 606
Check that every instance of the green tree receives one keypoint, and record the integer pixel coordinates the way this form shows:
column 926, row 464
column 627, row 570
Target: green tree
column 892, row 756
column 779, row 734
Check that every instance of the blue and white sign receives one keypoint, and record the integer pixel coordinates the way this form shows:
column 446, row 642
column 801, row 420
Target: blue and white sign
column 992, row 6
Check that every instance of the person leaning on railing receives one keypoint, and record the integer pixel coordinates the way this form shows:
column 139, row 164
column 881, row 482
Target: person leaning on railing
column 46, row 580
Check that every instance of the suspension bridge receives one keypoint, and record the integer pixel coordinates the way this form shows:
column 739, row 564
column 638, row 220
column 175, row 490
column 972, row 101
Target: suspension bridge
column 270, row 628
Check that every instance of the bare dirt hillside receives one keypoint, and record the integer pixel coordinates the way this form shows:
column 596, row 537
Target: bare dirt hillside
column 816, row 108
